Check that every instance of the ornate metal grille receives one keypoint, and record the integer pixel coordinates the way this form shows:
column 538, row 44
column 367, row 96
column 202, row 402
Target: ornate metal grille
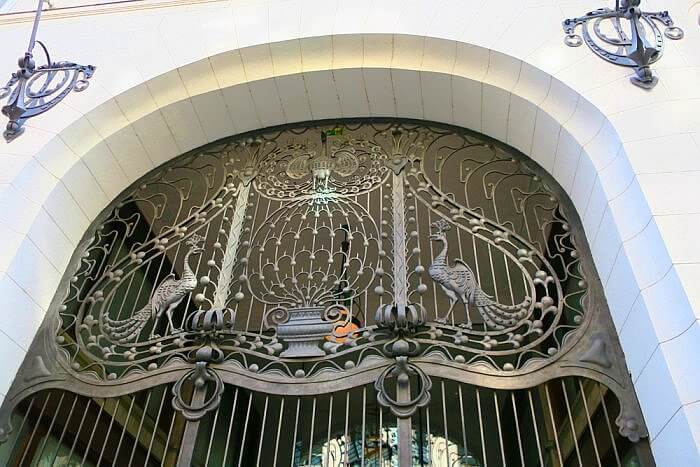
column 462, row 426
column 311, row 260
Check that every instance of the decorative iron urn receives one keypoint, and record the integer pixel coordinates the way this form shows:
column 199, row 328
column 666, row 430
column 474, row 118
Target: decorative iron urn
column 303, row 329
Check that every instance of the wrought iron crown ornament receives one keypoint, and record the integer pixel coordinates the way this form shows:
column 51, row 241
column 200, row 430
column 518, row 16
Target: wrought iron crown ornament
column 639, row 44
column 33, row 90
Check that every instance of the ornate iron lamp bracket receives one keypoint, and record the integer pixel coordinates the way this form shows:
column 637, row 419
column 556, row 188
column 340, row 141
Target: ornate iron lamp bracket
column 642, row 48
column 33, row 90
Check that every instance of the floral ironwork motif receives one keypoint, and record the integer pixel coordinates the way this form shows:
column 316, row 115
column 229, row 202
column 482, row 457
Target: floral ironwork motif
column 304, row 255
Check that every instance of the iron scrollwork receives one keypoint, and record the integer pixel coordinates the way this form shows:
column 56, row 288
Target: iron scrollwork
column 33, row 90
column 640, row 45
column 288, row 260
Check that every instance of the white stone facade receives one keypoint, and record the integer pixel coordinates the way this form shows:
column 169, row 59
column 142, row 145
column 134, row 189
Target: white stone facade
column 172, row 76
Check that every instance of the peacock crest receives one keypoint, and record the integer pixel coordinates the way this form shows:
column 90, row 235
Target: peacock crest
column 164, row 300
column 460, row 284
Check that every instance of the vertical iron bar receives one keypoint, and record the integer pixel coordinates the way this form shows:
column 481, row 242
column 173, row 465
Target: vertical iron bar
column 65, row 427
column 535, row 427
column 279, row 428
column 262, row 429
column 36, row 425
column 53, row 420
column 444, row 418
column 419, row 437
column 155, row 424
column 364, row 411
column 113, row 416
column 429, row 435
column 590, row 423
column 510, row 282
column 138, row 433
column 230, row 426
column 26, row 415
column 330, row 419
column 211, row 435
column 517, row 428
column 124, row 427
column 245, row 429
column 311, row 434
column 296, row 427
column 500, row 433
column 574, row 435
column 464, row 431
column 607, row 421
column 167, row 439
column 381, row 425
column 346, row 461
column 189, row 437
column 403, row 393
column 554, row 424
column 481, row 428
column 493, row 274
column 94, row 428
column 477, row 270
column 434, row 284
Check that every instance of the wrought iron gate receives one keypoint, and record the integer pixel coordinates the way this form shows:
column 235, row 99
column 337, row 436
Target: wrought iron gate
column 363, row 293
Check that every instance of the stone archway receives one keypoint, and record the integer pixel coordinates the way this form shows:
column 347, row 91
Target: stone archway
column 75, row 174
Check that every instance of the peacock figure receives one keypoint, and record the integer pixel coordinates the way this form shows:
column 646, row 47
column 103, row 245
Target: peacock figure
column 459, row 283
column 165, row 299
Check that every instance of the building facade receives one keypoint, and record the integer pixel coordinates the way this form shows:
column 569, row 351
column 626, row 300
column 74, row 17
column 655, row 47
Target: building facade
column 357, row 111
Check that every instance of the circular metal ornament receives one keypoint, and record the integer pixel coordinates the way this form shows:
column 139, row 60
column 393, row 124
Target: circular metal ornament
column 615, row 49
column 573, row 40
column 674, row 33
column 401, row 370
column 200, row 377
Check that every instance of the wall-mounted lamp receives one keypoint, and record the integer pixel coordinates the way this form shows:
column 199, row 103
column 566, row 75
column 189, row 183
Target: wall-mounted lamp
column 33, row 90
column 625, row 36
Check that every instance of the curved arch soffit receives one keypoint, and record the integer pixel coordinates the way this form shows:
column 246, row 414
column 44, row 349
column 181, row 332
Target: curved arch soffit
column 96, row 157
